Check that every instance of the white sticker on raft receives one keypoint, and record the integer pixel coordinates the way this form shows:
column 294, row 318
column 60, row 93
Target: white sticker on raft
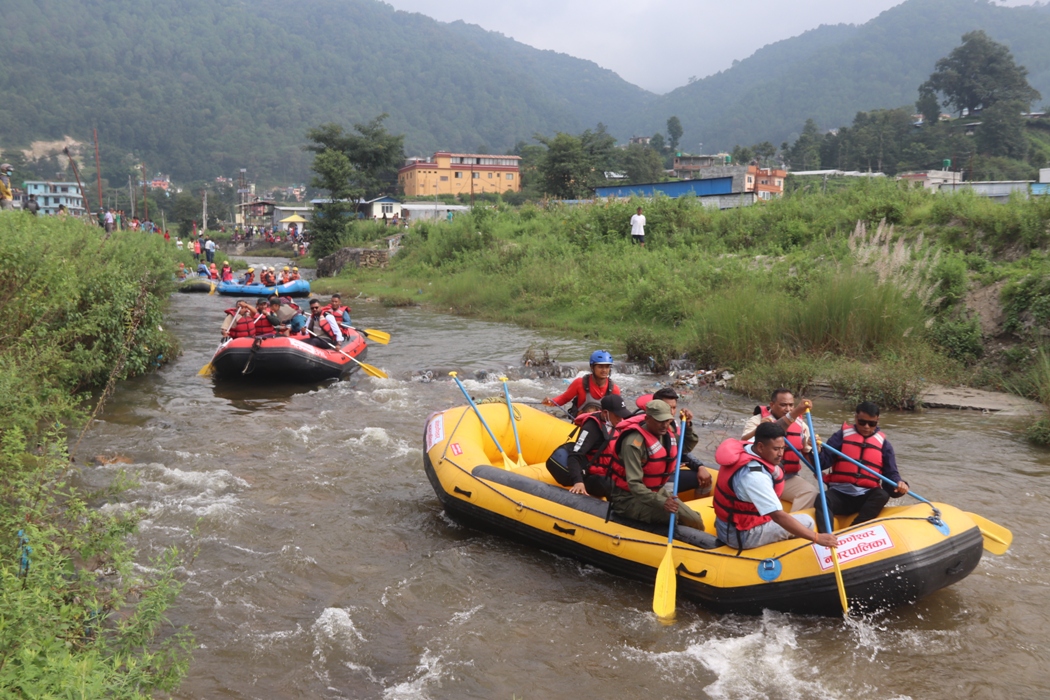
column 856, row 545
column 435, row 431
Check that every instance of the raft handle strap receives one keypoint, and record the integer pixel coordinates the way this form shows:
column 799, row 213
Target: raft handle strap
column 461, row 491
column 682, row 568
column 564, row 530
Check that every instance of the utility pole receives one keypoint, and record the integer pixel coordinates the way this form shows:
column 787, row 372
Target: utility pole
column 98, row 170
column 145, row 201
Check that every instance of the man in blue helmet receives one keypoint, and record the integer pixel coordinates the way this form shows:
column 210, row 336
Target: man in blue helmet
column 590, row 387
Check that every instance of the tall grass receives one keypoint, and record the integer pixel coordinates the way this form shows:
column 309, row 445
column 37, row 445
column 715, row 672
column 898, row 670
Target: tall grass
column 78, row 306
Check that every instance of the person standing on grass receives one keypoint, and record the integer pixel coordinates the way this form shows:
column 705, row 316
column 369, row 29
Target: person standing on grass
column 638, row 228
column 7, row 197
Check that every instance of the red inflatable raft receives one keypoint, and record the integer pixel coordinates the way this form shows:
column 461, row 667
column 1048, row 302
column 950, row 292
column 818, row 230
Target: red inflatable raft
column 287, row 358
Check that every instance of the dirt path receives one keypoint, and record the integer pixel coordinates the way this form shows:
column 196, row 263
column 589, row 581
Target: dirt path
column 977, row 400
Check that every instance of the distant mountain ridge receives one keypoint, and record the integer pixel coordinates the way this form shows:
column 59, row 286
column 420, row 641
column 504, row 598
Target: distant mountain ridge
column 204, row 87
column 831, row 73
column 200, row 88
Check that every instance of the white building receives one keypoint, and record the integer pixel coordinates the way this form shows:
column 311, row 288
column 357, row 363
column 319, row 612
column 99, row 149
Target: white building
column 49, row 195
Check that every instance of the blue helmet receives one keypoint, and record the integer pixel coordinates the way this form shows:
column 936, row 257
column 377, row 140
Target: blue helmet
column 601, row 357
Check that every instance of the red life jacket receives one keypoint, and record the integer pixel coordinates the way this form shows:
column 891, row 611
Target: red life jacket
column 867, row 451
column 660, row 465
column 742, row 515
column 322, row 321
column 792, row 465
column 263, row 325
column 598, row 459
column 242, row 327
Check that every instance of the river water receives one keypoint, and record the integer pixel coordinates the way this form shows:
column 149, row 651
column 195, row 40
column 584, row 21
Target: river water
column 326, row 568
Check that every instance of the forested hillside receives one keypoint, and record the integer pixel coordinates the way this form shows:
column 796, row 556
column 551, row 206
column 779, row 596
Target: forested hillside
column 203, row 87
column 831, row 73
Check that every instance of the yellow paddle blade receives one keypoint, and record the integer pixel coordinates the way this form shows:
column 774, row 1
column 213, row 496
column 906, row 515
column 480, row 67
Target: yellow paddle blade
column 997, row 539
column 381, row 337
column 206, row 371
column 507, row 464
column 666, row 587
column 840, row 583
column 521, row 463
column 373, row 371
column 212, row 290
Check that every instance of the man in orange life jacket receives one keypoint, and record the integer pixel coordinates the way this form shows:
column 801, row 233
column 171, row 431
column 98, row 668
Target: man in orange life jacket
column 851, row 489
column 747, row 496
column 583, row 465
column 643, row 459
column 595, row 385
column 242, row 324
column 782, row 410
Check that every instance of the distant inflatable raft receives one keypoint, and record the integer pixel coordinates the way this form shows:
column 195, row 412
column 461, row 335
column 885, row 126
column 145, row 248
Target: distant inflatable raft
column 902, row 556
column 298, row 288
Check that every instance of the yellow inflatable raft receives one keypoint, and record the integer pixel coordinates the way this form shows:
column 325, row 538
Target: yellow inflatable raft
column 907, row 553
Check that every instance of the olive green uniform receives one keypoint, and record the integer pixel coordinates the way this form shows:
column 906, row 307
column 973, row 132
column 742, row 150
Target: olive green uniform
column 640, row 503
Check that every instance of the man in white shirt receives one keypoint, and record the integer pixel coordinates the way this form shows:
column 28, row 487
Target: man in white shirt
column 638, row 228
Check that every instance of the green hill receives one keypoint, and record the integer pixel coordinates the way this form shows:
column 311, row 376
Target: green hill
column 203, row 87
column 831, row 73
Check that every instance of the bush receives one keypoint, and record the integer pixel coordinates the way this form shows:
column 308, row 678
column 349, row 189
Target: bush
column 960, row 340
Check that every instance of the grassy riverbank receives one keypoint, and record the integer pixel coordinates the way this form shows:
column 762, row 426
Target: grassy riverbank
column 81, row 310
column 783, row 293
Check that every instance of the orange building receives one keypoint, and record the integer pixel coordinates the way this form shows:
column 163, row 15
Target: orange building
column 768, row 183
column 460, row 173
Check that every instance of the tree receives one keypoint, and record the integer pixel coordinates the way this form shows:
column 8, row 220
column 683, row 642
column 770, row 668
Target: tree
column 674, row 130
column 574, row 165
column 1001, row 132
column 642, row 164
column 928, row 106
column 978, row 74
column 350, row 167
column 657, row 143
column 805, row 153
column 742, row 155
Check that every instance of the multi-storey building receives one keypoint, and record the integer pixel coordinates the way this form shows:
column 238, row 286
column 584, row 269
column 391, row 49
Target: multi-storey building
column 49, row 195
column 460, row 173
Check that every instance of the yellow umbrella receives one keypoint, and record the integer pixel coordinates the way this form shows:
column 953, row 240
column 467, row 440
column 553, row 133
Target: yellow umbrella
column 293, row 219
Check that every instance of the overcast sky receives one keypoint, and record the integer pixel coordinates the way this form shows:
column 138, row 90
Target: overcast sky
column 656, row 44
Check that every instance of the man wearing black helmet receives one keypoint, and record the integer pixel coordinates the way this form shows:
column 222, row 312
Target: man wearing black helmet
column 594, row 386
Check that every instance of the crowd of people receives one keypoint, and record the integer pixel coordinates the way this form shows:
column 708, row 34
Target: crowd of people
column 323, row 326
column 629, row 456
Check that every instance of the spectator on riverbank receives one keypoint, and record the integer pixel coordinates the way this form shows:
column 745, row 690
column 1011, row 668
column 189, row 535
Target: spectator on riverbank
column 638, row 228
column 7, row 197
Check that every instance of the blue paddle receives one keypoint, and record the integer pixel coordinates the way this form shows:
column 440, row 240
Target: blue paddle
column 507, row 464
column 827, row 518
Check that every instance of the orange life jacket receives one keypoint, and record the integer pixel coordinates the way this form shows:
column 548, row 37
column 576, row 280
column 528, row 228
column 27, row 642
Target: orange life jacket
column 792, row 465
column 263, row 325
column 660, row 465
column 867, row 451
column 242, row 327
column 742, row 515
column 249, row 278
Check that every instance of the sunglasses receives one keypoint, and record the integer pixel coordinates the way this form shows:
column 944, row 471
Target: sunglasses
column 869, row 423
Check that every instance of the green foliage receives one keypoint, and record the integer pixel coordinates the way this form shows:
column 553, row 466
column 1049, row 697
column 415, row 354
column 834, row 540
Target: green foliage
column 81, row 622
column 980, row 74
column 674, row 132
column 350, row 167
column 960, row 339
column 574, row 165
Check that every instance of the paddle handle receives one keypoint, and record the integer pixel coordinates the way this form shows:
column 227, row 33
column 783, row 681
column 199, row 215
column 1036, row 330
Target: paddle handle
column 476, row 410
column 677, row 472
column 871, row 471
column 827, row 517
column 510, row 409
